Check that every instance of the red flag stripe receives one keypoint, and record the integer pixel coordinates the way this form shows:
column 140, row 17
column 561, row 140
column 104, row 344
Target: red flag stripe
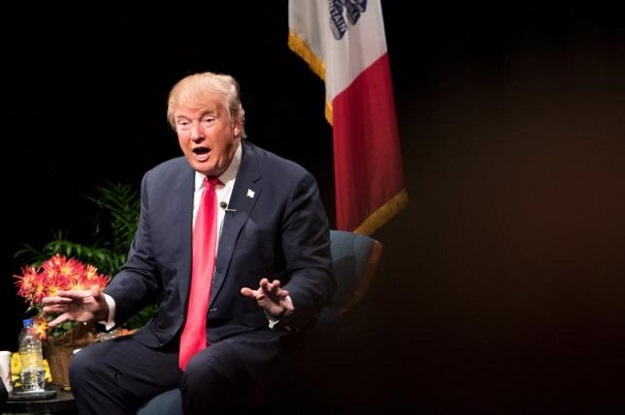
column 367, row 161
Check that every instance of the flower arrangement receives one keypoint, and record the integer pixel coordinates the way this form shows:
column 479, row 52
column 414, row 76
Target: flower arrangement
column 56, row 273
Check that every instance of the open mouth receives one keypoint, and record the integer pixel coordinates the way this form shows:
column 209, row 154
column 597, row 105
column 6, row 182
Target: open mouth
column 200, row 151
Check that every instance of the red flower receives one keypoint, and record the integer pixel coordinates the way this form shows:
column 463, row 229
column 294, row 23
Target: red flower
column 56, row 273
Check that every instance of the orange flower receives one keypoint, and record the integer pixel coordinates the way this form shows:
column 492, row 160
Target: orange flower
column 41, row 326
column 56, row 273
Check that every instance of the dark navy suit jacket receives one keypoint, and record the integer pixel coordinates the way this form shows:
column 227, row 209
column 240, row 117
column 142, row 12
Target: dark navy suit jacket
column 279, row 230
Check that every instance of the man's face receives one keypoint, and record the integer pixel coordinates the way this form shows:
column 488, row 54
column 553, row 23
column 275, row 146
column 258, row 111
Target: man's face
column 207, row 136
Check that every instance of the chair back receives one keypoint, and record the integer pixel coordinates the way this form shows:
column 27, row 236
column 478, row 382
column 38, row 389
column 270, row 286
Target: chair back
column 355, row 258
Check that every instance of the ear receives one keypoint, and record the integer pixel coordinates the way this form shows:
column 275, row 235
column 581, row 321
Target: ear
column 238, row 131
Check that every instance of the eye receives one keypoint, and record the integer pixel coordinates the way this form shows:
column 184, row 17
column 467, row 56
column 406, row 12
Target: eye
column 182, row 124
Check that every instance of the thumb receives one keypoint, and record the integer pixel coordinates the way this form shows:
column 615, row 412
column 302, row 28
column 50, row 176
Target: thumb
column 95, row 291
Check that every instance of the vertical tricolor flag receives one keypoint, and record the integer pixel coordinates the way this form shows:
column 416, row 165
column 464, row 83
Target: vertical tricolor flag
column 343, row 41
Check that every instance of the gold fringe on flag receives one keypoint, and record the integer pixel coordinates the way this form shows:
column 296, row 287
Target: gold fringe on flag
column 385, row 213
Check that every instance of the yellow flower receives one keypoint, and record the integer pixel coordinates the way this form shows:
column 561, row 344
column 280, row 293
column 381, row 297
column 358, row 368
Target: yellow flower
column 16, row 364
column 46, row 367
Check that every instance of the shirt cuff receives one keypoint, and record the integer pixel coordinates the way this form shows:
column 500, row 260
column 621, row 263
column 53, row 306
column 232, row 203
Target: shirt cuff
column 273, row 321
column 110, row 322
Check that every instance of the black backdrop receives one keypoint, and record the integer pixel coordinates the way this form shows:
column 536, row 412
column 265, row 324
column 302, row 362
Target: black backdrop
column 501, row 288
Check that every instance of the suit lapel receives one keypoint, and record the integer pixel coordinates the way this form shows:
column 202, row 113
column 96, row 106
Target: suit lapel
column 245, row 193
column 182, row 197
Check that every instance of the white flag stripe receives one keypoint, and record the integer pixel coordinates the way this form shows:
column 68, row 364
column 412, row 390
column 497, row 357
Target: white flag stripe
column 347, row 60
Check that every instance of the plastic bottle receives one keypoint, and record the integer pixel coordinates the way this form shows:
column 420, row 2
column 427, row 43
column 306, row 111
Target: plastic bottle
column 32, row 375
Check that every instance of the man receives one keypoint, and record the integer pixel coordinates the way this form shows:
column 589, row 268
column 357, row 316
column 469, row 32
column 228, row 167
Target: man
column 272, row 268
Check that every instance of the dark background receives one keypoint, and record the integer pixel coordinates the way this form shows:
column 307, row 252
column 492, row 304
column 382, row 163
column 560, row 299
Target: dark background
column 501, row 289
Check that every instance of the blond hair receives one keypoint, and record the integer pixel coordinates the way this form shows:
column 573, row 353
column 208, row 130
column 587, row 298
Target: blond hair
column 200, row 87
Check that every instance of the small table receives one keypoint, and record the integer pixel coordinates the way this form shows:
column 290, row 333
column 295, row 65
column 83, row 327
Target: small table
column 62, row 403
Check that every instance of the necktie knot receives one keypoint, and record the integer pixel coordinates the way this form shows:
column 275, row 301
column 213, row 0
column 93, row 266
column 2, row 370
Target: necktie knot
column 212, row 181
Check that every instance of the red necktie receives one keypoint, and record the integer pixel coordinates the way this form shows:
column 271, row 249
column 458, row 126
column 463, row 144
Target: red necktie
column 193, row 337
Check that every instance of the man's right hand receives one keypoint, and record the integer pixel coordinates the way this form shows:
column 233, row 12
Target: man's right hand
column 76, row 305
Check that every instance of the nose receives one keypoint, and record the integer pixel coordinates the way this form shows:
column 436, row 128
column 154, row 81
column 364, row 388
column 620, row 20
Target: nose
column 196, row 131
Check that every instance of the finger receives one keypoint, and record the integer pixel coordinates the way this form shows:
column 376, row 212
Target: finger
column 69, row 296
column 264, row 284
column 49, row 309
column 55, row 300
column 60, row 319
column 253, row 294
column 273, row 287
column 95, row 291
column 278, row 293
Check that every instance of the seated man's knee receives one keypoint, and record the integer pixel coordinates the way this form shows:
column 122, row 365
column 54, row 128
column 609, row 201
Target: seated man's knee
column 84, row 362
column 213, row 381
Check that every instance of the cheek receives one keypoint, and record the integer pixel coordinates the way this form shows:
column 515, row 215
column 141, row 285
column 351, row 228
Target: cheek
column 183, row 140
